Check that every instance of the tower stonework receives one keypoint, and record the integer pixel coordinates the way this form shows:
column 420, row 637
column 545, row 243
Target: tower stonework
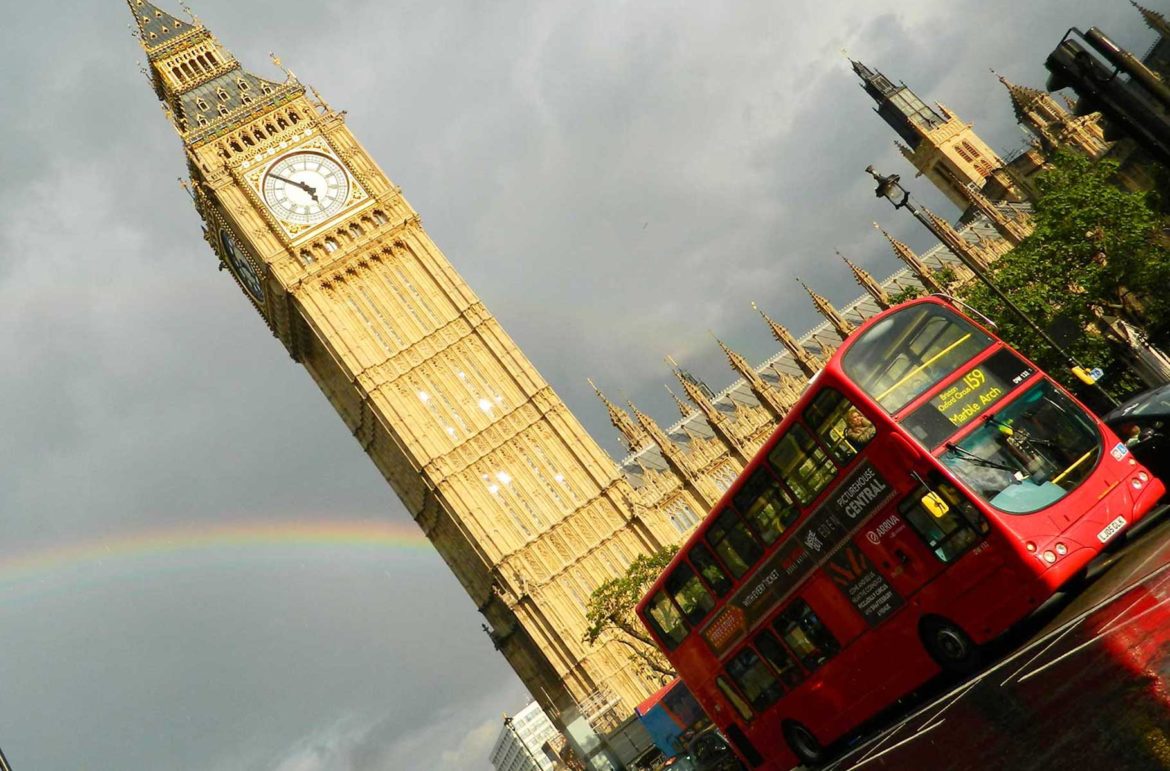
column 939, row 145
column 522, row 504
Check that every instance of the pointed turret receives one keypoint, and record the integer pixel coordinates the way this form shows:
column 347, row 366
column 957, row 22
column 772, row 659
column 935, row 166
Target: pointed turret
column 867, row 282
column 772, row 400
column 201, row 85
column 719, row 422
column 684, row 410
column 1013, row 228
column 842, row 327
column 808, row 364
column 904, row 253
column 1040, row 113
column 1154, row 20
column 632, row 435
column 955, row 242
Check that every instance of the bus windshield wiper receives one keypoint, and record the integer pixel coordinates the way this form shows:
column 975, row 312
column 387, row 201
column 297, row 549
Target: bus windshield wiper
column 973, row 458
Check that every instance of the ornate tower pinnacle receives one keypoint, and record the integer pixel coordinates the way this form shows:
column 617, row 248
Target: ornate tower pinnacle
column 1154, row 20
column 633, row 436
column 806, row 361
column 937, row 142
column 1040, row 113
column 684, row 410
column 770, row 398
column 842, row 327
column 719, row 422
column 867, row 282
column 904, row 253
column 955, row 242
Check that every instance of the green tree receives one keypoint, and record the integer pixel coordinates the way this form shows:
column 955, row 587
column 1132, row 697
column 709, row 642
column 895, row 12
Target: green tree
column 1096, row 251
column 611, row 611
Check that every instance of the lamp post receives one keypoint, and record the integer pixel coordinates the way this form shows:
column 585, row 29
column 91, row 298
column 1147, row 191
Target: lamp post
column 516, row 736
column 890, row 188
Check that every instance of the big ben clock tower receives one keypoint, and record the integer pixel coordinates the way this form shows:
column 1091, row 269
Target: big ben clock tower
column 525, row 508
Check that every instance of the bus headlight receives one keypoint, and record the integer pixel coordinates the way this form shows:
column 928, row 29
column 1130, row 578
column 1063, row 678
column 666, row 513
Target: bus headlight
column 1061, row 549
column 1143, row 476
column 1031, row 547
column 1136, row 483
column 1049, row 557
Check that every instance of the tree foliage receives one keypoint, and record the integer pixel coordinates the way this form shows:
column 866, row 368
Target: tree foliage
column 1097, row 251
column 611, row 610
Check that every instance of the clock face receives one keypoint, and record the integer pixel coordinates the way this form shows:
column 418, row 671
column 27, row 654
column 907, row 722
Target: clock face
column 241, row 267
column 305, row 188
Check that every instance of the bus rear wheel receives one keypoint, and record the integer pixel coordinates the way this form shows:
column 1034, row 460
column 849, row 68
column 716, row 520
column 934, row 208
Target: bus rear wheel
column 803, row 744
column 949, row 646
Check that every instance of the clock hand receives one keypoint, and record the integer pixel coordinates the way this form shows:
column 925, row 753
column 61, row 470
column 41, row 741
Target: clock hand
column 312, row 191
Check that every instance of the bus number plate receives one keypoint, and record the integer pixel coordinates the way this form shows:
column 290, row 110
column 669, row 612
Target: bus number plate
column 1112, row 529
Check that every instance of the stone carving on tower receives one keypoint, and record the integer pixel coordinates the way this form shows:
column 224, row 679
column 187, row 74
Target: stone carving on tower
column 523, row 505
column 934, row 140
column 840, row 325
column 868, row 283
column 1053, row 125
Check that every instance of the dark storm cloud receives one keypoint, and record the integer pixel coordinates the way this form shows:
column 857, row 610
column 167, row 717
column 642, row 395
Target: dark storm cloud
column 613, row 179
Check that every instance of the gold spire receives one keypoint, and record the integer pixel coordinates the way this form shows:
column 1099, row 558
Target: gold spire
column 867, row 282
column 955, row 242
column 805, row 360
column 904, row 253
column 1154, row 20
column 685, row 410
column 633, row 436
column 826, row 309
column 764, row 393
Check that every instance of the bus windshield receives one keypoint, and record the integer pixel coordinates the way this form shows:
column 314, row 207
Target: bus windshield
column 1029, row 454
column 909, row 351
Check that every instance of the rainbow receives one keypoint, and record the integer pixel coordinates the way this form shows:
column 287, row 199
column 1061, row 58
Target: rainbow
column 187, row 545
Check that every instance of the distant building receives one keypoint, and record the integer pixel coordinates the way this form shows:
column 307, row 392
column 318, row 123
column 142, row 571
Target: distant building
column 521, row 745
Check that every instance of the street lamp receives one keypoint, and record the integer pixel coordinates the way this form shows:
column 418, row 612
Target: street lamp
column 890, row 188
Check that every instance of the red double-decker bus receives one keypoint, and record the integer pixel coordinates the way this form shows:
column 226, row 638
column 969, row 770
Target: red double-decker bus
column 929, row 489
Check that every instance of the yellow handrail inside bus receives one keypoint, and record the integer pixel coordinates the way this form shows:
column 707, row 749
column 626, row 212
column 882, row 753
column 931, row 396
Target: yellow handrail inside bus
column 924, row 365
column 1068, row 470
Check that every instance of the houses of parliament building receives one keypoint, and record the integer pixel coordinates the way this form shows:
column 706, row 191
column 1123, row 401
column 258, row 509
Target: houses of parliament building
column 525, row 507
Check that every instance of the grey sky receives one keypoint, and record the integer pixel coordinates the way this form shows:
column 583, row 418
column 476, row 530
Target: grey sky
column 614, row 179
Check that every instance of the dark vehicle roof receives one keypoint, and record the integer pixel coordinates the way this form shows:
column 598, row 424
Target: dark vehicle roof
column 1156, row 401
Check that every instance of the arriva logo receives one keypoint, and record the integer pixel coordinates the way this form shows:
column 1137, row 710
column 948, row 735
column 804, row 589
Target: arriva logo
column 882, row 530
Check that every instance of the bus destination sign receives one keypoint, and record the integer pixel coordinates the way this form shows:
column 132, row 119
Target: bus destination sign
column 857, row 496
column 968, row 397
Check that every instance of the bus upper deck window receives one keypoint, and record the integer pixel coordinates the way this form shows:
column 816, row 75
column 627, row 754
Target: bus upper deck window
column 734, row 544
column 666, row 620
column 688, row 591
column 763, row 502
column 701, row 557
column 802, row 464
column 839, row 424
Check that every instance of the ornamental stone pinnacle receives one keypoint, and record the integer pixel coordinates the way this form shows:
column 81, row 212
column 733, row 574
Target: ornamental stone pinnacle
column 807, row 363
column 842, row 327
column 904, row 253
column 867, row 282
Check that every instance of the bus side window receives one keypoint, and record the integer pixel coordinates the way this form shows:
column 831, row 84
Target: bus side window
column 943, row 519
column 754, row 679
column 701, row 557
column 839, row 424
column 666, row 620
column 766, row 506
column 736, row 700
column 732, row 541
column 802, row 464
column 688, row 591
column 804, row 633
column 781, row 660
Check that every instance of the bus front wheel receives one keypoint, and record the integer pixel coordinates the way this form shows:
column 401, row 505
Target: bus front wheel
column 803, row 744
column 949, row 646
